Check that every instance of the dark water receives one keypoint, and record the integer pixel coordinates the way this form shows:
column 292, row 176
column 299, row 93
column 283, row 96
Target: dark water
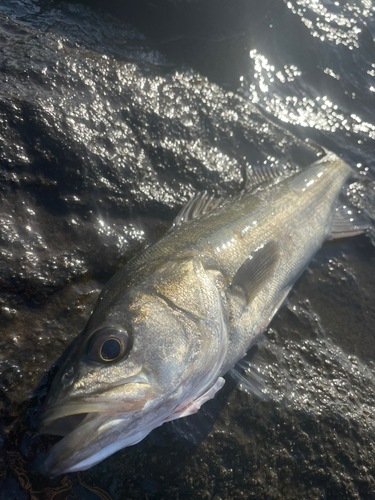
column 111, row 116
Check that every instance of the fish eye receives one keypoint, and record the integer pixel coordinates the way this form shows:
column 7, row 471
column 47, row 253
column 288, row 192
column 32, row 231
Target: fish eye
column 110, row 350
column 108, row 345
column 69, row 373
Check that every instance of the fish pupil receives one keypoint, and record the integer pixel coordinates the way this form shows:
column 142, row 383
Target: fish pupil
column 110, row 350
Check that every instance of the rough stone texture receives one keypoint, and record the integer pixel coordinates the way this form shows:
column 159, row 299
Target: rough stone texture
column 88, row 145
column 102, row 140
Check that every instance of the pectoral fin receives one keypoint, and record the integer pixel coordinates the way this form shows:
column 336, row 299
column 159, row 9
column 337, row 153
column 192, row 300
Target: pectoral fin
column 244, row 374
column 257, row 269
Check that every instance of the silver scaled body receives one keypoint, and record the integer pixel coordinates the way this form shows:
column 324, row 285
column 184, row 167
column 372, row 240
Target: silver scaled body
column 190, row 305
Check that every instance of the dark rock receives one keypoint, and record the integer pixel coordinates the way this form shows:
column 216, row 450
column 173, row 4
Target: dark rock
column 105, row 134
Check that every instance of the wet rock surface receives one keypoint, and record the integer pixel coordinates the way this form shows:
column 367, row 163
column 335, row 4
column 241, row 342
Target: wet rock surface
column 104, row 136
column 91, row 144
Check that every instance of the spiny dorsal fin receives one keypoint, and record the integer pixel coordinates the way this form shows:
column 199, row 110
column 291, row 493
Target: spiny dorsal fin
column 257, row 269
column 200, row 204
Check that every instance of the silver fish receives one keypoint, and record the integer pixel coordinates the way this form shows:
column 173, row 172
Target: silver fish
column 177, row 317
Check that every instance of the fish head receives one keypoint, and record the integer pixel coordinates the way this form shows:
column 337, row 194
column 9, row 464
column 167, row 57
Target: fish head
column 139, row 359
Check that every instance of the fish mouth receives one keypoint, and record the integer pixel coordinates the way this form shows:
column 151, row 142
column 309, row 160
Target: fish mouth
column 91, row 427
column 61, row 426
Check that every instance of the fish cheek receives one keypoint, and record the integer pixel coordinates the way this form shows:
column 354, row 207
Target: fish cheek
column 180, row 351
column 166, row 341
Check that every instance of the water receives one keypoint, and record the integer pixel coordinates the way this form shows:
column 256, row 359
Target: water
column 112, row 116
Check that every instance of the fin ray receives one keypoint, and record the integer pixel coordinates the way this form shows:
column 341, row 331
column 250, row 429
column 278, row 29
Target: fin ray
column 199, row 205
column 259, row 174
column 249, row 381
column 257, row 269
column 194, row 406
column 347, row 222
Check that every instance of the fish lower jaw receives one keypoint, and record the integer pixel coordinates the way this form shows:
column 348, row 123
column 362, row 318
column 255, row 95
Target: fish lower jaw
column 84, row 447
column 100, row 455
column 96, row 437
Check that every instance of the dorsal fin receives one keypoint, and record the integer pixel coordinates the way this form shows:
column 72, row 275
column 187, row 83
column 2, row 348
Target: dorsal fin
column 259, row 174
column 200, row 204
column 273, row 170
column 257, row 269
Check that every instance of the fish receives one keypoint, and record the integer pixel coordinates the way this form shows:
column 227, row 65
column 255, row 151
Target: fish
column 178, row 316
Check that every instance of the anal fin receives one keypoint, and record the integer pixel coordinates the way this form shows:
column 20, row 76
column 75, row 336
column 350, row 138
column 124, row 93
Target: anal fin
column 347, row 222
